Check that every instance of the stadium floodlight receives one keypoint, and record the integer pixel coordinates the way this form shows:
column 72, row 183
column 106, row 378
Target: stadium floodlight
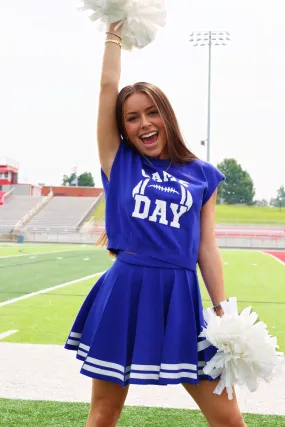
column 209, row 38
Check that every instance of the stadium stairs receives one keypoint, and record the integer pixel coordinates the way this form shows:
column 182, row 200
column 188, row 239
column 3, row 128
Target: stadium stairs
column 15, row 209
column 62, row 215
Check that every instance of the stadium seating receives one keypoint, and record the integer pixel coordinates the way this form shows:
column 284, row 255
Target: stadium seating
column 62, row 214
column 15, row 209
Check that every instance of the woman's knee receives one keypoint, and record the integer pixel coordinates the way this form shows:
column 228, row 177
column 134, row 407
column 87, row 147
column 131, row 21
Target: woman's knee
column 104, row 414
column 107, row 402
column 227, row 419
column 218, row 410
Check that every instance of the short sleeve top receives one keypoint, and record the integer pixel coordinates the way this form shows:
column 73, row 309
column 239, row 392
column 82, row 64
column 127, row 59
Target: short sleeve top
column 155, row 210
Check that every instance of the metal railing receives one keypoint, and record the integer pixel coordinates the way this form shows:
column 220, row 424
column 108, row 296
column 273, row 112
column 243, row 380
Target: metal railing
column 252, row 221
column 20, row 224
column 89, row 211
column 226, row 239
column 8, row 195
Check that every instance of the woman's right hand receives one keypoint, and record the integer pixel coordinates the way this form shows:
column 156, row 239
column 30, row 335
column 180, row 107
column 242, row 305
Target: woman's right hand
column 115, row 29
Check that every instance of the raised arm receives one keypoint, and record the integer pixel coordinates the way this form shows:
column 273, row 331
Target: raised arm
column 107, row 133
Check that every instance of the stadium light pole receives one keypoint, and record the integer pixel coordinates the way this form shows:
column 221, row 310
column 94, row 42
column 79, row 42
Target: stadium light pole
column 210, row 39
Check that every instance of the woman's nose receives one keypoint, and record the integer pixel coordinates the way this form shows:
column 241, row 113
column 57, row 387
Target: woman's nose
column 145, row 122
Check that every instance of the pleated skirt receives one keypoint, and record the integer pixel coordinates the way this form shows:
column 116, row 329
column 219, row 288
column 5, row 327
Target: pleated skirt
column 140, row 324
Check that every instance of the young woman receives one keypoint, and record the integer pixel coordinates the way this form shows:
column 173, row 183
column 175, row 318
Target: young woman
column 141, row 322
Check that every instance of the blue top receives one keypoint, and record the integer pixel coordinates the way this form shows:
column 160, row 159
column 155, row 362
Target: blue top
column 154, row 212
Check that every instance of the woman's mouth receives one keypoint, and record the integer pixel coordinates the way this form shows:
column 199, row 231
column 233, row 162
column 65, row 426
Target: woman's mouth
column 149, row 138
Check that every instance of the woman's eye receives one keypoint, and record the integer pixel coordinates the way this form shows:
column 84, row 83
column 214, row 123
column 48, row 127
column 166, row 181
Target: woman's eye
column 131, row 119
column 153, row 112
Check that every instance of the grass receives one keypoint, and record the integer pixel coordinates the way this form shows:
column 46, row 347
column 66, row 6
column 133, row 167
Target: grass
column 99, row 213
column 255, row 278
column 56, row 414
column 26, row 274
column 9, row 249
column 229, row 214
column 55, row 310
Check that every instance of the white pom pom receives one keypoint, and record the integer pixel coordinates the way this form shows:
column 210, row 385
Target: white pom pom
column 141, row 18
column 246, row 351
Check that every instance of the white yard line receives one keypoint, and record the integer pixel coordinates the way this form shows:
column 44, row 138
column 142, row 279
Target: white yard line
column 38, row 253
column 7, row 334
column 274, row 257
column 43, row 291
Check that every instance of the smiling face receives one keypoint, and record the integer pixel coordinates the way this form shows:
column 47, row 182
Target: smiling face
column 144, row 126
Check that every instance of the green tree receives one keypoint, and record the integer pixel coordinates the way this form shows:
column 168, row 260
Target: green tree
column 238, row 188
column 69, row 180
column 86, row 180
column 261, row 203
column 280, row 199
column 272, row 202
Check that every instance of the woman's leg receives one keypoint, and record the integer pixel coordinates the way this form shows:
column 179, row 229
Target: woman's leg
column 218, row 410
column 107, row 402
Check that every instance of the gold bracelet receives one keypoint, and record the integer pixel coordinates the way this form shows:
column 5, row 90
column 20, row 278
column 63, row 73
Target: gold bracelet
column 114, row 34
column 114, row 41
column 217, row 307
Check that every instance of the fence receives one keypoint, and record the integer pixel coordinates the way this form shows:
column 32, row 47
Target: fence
column 226, row 238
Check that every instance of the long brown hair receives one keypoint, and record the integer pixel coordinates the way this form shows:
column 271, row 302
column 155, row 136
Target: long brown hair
column 177, row 149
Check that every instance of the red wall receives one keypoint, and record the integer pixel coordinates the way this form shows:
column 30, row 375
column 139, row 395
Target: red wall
column 73, row 191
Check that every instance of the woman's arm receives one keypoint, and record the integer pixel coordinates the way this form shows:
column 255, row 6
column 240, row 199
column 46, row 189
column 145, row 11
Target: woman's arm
column 209, row 258
column 107, row 133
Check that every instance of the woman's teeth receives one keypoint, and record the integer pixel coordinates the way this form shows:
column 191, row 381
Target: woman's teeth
column 149, row 138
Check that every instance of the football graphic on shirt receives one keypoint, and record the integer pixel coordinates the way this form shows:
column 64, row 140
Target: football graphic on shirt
column 161, row 198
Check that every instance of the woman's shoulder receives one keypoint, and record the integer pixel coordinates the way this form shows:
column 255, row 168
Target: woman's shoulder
column 203, row 171
column 196, row 166
column 203, row 167
column 199, row 163
column 206, row 175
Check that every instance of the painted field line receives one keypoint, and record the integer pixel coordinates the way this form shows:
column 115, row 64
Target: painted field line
column 43, row 291
column 274, row 257
column 7, row 334
column 38, row 253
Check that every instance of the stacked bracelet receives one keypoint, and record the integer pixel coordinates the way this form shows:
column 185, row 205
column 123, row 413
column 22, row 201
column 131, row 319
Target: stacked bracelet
column 114, row 34
column 114, row 41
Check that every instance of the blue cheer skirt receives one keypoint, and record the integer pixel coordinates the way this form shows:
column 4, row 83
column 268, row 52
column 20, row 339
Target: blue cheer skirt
column 140, row 325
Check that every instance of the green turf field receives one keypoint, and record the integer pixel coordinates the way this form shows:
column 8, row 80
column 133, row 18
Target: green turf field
column 229, row 214
column 32, row 271
column 8, row 249
column 16, row 413
column 255, row 278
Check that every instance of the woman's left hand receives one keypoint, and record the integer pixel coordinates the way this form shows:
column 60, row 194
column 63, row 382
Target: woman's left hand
column 220, row 312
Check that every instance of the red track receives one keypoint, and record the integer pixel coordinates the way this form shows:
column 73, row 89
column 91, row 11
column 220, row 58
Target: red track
column 280, row 255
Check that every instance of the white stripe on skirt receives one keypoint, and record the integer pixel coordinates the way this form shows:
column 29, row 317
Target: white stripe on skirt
column 102, row 371
column 154, row 372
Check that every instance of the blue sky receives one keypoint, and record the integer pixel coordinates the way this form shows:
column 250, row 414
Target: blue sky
column 50, row 62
